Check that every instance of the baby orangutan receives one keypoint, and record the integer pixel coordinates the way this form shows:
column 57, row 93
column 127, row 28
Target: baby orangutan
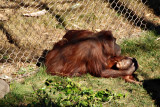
column 123, row 63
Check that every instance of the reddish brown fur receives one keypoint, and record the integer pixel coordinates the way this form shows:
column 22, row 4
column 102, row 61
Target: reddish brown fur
column 77, row 34
column 73, row 35
column 86, row 52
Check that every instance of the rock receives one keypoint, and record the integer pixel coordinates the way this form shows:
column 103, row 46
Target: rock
column 5, row 77
column 4, row 88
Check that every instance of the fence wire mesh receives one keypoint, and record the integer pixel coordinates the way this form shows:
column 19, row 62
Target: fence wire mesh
column 29, row 27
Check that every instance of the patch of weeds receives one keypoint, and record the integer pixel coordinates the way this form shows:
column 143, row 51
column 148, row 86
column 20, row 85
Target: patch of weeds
column 5, row 57
column 23, row 70
column 88, row 17
column 118, row 14
column 66, row 93
column 59, row 26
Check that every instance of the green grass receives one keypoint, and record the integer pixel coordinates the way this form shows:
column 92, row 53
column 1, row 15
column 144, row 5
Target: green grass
column 145, row 49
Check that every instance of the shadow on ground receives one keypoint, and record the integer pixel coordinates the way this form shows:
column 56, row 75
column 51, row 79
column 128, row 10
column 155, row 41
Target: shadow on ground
column 41, row 59
column 153, row 4
column 153, row 89
column 132, row 17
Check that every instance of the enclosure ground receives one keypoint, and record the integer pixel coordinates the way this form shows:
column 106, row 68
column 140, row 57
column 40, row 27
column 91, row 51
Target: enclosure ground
column 24, row 39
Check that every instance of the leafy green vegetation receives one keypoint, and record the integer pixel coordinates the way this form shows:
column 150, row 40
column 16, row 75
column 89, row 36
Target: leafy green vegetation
column 67, row 93
column 23, row 70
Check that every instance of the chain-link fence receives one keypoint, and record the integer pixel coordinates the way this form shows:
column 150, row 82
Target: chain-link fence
column 30, row 27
